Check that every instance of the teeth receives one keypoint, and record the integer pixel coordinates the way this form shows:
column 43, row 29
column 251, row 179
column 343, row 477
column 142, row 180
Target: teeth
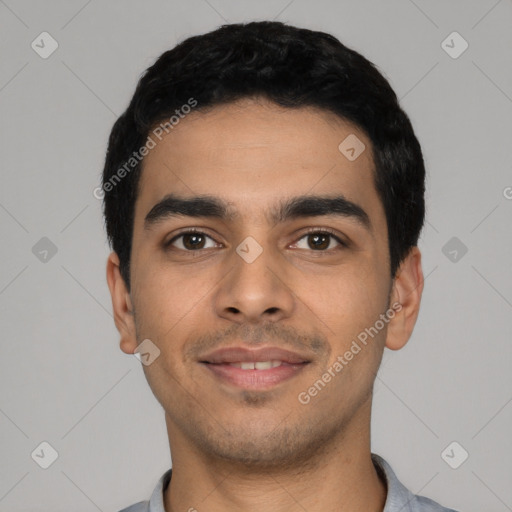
column 263, row 365
column 259, row 365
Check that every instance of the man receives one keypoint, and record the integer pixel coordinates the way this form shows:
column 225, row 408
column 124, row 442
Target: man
column 264, row 195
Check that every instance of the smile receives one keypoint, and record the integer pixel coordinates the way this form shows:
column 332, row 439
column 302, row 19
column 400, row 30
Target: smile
column 254, row 375
column 257, row 365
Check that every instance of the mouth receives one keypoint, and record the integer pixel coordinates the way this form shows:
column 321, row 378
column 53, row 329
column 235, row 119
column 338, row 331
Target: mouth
column 259, row 369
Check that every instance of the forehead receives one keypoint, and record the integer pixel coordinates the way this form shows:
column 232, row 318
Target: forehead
column 252, row 153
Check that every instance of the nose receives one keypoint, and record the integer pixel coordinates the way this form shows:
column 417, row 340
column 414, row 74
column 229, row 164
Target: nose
column 254, row 291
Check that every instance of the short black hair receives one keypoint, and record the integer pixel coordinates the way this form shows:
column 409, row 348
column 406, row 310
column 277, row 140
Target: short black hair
column 293, row 67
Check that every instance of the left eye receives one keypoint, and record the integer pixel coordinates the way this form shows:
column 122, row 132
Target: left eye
column 319, row 241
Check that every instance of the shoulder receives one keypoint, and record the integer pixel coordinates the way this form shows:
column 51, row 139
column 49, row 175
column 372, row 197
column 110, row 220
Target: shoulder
column 399, row 498
column 422, row 504
column 141, row 506
column 156, row 502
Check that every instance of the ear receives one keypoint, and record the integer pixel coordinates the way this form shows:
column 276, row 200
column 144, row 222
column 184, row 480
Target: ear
column 406, row 291
column 122, row 305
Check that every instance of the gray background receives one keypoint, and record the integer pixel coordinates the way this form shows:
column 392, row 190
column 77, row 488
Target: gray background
column 63, row 378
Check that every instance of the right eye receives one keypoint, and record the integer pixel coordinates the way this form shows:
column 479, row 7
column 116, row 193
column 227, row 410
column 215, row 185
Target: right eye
column 191, row 240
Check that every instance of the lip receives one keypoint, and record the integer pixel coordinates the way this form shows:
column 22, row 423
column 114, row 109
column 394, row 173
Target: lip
column 238, row 354
column 254, row 379
column 218, row 363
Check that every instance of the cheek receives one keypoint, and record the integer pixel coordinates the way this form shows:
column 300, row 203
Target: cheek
column 165, row 295
column 348, row 300
column 170, row 310
column 349, row 309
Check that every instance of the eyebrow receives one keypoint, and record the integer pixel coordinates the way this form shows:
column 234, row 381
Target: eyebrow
column 296, row 207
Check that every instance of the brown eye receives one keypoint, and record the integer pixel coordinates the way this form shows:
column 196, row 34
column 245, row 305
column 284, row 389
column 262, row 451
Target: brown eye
column 191, row 241
column 320, row 241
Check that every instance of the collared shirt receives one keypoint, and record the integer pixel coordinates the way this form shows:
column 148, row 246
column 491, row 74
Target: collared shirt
column 399, row 499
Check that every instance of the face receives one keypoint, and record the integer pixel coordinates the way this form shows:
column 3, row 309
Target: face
column 285, row 260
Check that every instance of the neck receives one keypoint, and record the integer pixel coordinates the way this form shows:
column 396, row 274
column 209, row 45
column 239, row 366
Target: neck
column 341, row 477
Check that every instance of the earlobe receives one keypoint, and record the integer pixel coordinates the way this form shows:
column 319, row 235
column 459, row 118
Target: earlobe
column 121, row 305
column 407, row 291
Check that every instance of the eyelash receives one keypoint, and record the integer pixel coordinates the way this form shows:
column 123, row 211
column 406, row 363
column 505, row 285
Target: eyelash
column 325, row 231
column 311, row 231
